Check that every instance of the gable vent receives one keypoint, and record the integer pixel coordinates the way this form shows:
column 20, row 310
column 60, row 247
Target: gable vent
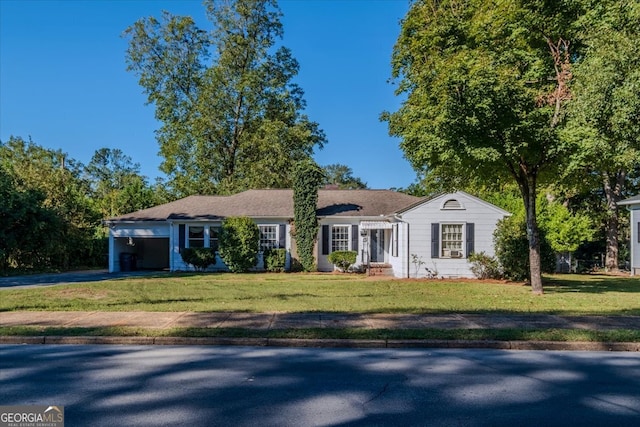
column 452, row 204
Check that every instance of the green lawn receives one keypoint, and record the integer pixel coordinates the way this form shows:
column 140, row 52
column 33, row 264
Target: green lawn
column 620, row 335
column 565, row 294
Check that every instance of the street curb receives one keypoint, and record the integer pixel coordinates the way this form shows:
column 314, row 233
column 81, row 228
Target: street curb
column 327, row 343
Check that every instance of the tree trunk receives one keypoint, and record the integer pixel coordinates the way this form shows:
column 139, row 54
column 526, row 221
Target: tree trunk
column 528, row 189
column 612, row 186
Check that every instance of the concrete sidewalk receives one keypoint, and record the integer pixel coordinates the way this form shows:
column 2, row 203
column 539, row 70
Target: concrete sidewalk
column 284, row 321
column 275, row 321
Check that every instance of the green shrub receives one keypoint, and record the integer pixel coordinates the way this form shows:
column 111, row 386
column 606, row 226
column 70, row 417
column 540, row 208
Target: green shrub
column 512, row 249
column 239, row 241
column 275, row 259
column 484, row 267
column 199, row 258
column 343, row 259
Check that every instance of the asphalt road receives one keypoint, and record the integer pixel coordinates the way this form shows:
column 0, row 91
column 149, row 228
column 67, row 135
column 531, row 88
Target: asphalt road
column 245, row 386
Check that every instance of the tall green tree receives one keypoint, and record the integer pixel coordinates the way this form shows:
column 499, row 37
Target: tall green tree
column 342, row 177
column 231, row 116
column 564, row 230
column 308, row 178
column 604, row 113
column 486, row 85
column 116, row 184
column 110, row 168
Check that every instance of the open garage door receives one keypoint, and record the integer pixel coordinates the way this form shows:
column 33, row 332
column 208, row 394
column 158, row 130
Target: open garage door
column 141, row 253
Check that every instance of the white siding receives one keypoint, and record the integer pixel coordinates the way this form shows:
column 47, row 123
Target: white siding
column 323, row 261
column 140, row 230
column 483, row 215
column 177, row 264
column 400, row 263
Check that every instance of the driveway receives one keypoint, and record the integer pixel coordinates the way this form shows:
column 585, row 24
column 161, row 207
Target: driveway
column 52, row 279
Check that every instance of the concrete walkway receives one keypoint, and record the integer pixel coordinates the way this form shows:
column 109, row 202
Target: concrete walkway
column 283, row 321
column 268, row 321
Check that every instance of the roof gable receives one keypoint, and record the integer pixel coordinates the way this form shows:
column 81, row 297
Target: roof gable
column 631, row 201
column 443, row 199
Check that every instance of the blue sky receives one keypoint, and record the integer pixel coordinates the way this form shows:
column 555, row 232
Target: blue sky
column 63, row 80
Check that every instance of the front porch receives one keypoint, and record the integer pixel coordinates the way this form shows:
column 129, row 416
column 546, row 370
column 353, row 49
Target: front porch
column 376, row 239
column 380, row 269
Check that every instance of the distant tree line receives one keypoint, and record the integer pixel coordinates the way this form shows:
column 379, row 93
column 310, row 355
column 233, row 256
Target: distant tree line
column 53, row 206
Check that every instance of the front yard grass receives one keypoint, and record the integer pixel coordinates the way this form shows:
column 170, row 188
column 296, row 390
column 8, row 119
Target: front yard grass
column 564, row 294
column 562, row 335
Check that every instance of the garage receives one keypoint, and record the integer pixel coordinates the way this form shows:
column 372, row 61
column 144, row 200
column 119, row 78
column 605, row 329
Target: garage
column 142, row 253
column 139, row 247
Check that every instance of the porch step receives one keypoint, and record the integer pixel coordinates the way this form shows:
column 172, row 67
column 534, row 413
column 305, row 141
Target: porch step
column 380, row 270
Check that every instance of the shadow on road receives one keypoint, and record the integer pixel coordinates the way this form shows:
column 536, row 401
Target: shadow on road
column 104, row 386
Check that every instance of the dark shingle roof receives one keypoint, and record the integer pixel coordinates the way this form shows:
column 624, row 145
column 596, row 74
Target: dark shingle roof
column 274, row 203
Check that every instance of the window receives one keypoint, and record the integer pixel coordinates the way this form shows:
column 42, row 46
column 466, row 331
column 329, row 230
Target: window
column 449, row 240
column 339, row 238
column 196, row 236
column 214, row 233
column 268, row 237
column 200, row 236
column 452, row 240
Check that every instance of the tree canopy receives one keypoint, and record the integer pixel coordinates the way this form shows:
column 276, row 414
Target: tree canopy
column 51, row 209
column 342, row 177
column 232, row 117
column 116, row 184
column 604, row 112
column 486, row 85
column 53, row 205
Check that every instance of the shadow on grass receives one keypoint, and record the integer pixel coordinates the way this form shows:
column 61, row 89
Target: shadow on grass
column 594, row 284
column 562, row 335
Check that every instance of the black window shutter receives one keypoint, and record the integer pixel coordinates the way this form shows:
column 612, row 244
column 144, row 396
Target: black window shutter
column 470, row 238
column 394, row 240
column 354, row 237
column 325, row 240
column 181, row 236
column 283, row 236
column 435, row 240
column 638, row 229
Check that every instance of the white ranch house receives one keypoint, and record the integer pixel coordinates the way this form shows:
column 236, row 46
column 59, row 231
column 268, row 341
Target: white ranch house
column 633, row 204
column 402, row 235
